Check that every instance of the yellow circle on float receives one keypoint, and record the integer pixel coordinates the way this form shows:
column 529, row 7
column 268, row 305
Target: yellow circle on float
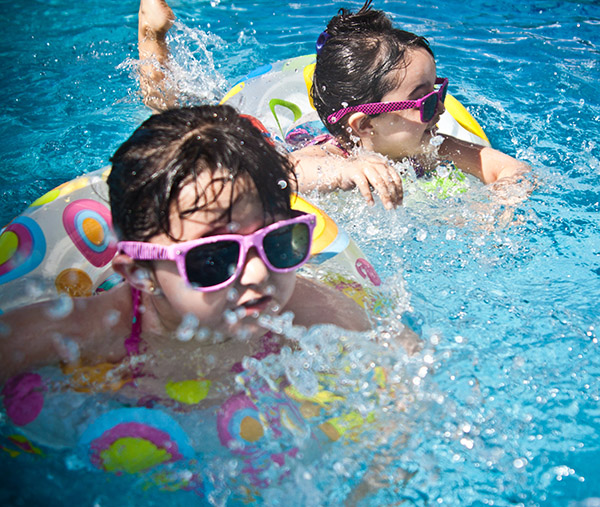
column 132, row 455
column 47, row 197
column 250, row 429
column 9, row 242
column 189, row 392
column 74, row 282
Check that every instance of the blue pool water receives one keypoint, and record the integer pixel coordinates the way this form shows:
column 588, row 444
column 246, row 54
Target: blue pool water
column 506, row 294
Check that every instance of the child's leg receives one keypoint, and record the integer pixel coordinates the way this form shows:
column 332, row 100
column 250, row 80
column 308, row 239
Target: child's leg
column 154, row 20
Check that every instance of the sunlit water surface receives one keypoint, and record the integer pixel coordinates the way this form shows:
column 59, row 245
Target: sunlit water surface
column 501, row 407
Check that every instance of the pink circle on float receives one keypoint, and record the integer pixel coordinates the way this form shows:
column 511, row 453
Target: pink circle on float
column 100, row 248
column 24, row 398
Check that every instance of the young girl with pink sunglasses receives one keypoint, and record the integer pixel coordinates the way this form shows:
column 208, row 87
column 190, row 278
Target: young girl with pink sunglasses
column 377, row 92
column 207, row 239
column 376, row 88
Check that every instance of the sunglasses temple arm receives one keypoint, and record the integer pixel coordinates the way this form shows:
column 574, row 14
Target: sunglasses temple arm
column 145, row 251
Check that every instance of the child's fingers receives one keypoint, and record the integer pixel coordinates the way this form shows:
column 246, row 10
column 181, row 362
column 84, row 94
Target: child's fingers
column 395, row 182
column 389, row 177
column 362, row 183
column 380, row 184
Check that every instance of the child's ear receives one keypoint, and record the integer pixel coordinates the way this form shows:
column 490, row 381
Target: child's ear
column 137, row 276
column 361, row 124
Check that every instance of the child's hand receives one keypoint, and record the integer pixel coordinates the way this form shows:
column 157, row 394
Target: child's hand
column 325, row 168
column 372, row 172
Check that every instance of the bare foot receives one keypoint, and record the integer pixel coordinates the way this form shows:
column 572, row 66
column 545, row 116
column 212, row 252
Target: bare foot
column 154, row 19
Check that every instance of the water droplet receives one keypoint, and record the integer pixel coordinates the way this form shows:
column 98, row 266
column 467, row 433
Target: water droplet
column 202, row 334
column 233, row 227
column 442, row 171
column 60, row 308
column 67, row 348
column 73, row 462
column 34, row 290
column 519, row 463
column 230, row 317
column 141, row 276
column 111, row 318
column 232, row 294
column 467, row 442
column 436, row 141
column 187, row 328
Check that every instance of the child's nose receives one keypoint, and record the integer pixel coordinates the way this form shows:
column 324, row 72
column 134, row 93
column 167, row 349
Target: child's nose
column 255, row 270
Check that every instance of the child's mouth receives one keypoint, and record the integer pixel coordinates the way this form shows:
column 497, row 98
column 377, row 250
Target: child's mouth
column 256, row 305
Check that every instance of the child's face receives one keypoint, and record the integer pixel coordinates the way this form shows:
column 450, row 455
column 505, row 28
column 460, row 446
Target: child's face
column 401, row 133
column 256, row 291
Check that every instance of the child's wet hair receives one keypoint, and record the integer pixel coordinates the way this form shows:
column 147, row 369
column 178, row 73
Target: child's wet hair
column 172, row 149
column 358, row 62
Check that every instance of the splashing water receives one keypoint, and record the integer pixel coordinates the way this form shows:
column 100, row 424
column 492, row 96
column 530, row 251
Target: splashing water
column 500, row 404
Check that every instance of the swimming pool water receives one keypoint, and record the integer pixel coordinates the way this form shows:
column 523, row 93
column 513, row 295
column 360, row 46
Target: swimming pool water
column 505, row 292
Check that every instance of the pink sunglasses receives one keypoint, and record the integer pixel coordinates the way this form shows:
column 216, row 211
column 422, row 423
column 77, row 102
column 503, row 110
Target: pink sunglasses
column 427, row 105
column 211, row 263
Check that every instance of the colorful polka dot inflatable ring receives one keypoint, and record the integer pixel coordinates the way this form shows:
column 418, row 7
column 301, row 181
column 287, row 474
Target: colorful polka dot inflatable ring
column 62, row 244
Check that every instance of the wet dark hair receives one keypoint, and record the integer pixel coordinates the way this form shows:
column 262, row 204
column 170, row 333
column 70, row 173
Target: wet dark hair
column 357, row 63
column 172, row 149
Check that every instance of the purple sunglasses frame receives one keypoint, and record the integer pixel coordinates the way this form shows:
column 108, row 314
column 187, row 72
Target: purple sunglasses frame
column 144, row 251
column 388, row 107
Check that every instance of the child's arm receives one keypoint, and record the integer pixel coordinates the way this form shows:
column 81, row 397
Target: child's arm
column 154, row 20
column 51, row 332
column 315, row 303
column 325, row 169
column 485, row 163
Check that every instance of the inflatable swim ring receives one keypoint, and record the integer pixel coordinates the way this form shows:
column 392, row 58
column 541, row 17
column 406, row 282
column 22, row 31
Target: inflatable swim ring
column 278, row 94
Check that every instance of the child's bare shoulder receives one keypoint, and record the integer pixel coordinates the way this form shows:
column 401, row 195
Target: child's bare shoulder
column 315, row 303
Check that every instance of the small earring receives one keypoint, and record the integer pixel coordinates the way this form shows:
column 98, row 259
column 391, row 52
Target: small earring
column 152, row 289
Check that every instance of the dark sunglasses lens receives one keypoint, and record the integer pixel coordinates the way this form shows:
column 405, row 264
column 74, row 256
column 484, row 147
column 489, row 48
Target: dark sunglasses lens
column 444, row 92
column 287, row 246
column 429, row 107
column 212, row 264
